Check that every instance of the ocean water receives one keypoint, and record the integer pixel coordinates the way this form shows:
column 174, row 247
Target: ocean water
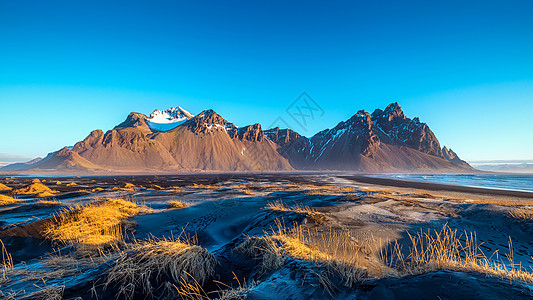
column 512, row 182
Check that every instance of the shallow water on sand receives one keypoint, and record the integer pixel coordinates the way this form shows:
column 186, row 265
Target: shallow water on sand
column 511, row 182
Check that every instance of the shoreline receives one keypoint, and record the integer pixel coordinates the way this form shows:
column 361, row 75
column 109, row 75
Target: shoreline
column 436, row 186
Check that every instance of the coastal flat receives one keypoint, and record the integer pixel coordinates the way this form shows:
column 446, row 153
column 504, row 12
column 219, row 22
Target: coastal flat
column 223, row 212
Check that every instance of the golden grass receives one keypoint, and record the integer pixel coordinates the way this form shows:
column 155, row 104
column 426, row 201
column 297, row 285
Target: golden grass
column 175, row 204
column 97, row 190
column 311, row 214
column 4, row 187
column 58, row 182
column 522, row 213
column 7, row 263
column 338, row 251
column 448, row 250
column 32, row 189
column 96, row 224
column 155, row 264
column 50, row 202
column 502, row 202
column 203, row 186
column 314, row 189
column 71, row 184
column 248, row 191
column 6, row 200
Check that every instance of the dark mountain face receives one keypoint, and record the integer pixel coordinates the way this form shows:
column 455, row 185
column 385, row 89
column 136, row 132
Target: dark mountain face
column 404, row 131
column 382, row 141
column 385, row 140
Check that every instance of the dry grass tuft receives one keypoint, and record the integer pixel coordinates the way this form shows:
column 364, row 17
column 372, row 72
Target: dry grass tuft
column 71, row 184
column 97, row 190
column 6, row 200
column 248, row 191
column 311, row 214
column 203, row 186
column 59, row 182
column 7, row 263
column 338, row 251
column 522, row 213
column 50, row 202
column 34, row 188
column 177, row 205
column 314, row 189
column 52, row 292
column 158, row 264
column 448, row 250
column 3, row 187
column 96, row 224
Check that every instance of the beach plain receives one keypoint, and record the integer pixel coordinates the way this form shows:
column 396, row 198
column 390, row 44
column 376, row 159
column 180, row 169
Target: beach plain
column 261, row 236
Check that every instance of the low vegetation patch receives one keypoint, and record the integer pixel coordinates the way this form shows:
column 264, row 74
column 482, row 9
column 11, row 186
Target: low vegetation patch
column 522, row 213
column 177, row 205
column 6, row 200
column 338, row 251
column 449, row 250
column 49, row 202
column 97, row 224
column 34, row 189
column 310, row 213
column 158, row 266
column 4, row 187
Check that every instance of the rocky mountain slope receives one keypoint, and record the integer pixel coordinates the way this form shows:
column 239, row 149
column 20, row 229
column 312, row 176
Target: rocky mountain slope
column 174, row 140
column 382, row 141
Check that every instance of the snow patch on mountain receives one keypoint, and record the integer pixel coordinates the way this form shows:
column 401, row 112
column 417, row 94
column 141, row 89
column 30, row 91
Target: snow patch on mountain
column 165, row 120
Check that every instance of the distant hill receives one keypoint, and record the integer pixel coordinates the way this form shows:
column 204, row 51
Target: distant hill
column 175, row 140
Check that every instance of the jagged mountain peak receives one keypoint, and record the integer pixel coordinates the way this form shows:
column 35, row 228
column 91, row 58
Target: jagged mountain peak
column 134, row 119
column 209, row 121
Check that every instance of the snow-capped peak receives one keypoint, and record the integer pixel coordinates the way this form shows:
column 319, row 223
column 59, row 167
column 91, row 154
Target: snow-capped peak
column 164, row 120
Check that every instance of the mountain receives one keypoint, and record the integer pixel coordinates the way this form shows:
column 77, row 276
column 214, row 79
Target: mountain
column 175, row 140
column 385, row 140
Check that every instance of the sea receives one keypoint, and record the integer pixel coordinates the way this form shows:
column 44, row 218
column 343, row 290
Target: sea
column 511, row 182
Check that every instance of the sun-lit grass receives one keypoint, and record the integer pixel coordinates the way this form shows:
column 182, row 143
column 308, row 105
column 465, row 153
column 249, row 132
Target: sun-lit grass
column 522, row 213
column 311, row 214
column 97, row 224
column 6, row 200
column 71, row 184
column 449, row 250
column 7, row 263
column 502, row 201
column 157, row 265
column 49, row 202
column 3, row 187
column 203, row 186
column 34, row 188
column 337, row 250
column 175, row 204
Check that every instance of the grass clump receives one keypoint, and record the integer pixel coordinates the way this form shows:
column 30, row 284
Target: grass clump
column 449, row 250
column 6, row 200
column 4, row 187
column 156, row 266
column 337, row 250
column 310, row 213
column 34, row 189
column 96, row 224
column 522, row 213
column 49, row 202
column 177, row 205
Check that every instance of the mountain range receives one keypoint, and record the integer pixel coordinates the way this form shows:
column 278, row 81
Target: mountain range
column 175, row 140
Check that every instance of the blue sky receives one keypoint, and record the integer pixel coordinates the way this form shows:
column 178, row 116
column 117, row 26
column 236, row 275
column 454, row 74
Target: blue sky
column 464, row 67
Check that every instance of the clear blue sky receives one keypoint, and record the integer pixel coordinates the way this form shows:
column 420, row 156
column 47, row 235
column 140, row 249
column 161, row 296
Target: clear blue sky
column 464, row 67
